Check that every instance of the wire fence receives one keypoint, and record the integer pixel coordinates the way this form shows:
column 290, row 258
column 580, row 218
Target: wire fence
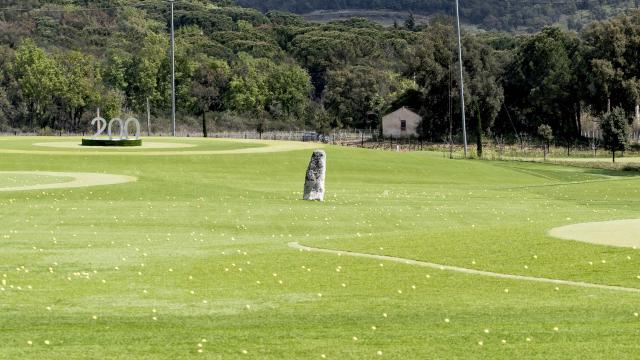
column 338, row 137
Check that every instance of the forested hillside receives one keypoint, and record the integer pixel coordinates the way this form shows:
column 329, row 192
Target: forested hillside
column 61, row 62
column 238, row 68
column 489, row 14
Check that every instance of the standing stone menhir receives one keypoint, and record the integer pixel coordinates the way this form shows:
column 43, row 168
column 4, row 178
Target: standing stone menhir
column 314, row 182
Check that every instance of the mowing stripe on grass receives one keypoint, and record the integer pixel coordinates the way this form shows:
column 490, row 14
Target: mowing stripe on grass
column 298, row 246
column 267, row 147
column 145, row 145
column 621, row 233
column 79, row 180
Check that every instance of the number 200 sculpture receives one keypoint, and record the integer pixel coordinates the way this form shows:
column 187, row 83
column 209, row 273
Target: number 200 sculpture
column 121, row 140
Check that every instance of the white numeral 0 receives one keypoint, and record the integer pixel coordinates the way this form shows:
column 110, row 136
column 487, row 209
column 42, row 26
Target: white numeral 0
column 126, row 127
column 122, row 131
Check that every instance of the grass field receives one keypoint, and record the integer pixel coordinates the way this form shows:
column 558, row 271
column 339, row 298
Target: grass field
column 192, row 260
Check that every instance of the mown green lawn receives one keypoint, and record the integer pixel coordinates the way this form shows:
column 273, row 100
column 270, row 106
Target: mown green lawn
column 196, row 250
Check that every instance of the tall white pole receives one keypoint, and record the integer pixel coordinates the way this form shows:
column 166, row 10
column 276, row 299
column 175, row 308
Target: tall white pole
column 173, row 74
column 148, row 118
column 464, row 119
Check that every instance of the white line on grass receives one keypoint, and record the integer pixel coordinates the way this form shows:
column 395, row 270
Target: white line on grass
column 298, row 246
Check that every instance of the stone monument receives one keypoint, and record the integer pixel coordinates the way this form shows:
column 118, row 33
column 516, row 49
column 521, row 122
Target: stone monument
column 314, row 182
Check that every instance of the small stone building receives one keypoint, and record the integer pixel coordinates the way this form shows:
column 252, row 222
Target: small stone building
column 401, row 123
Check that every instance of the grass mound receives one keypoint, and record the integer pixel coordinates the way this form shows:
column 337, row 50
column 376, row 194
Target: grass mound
column 112, row 143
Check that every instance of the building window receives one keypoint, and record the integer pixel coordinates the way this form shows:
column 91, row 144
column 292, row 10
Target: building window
column 403, row 125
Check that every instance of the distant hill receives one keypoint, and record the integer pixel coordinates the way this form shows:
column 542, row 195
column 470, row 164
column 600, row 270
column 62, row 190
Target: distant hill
column 383, row 17
column 508, row 15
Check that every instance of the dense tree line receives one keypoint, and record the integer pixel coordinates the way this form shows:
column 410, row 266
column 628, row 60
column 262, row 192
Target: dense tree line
column 240, row 68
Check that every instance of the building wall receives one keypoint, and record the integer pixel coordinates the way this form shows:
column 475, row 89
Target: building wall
column 391, row 124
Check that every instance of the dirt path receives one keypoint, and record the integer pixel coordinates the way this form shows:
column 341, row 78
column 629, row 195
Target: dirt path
column 298, row 246
column 78, row 180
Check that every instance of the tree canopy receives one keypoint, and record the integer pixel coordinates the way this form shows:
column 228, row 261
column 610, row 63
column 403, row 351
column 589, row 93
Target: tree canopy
column 61, row 61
